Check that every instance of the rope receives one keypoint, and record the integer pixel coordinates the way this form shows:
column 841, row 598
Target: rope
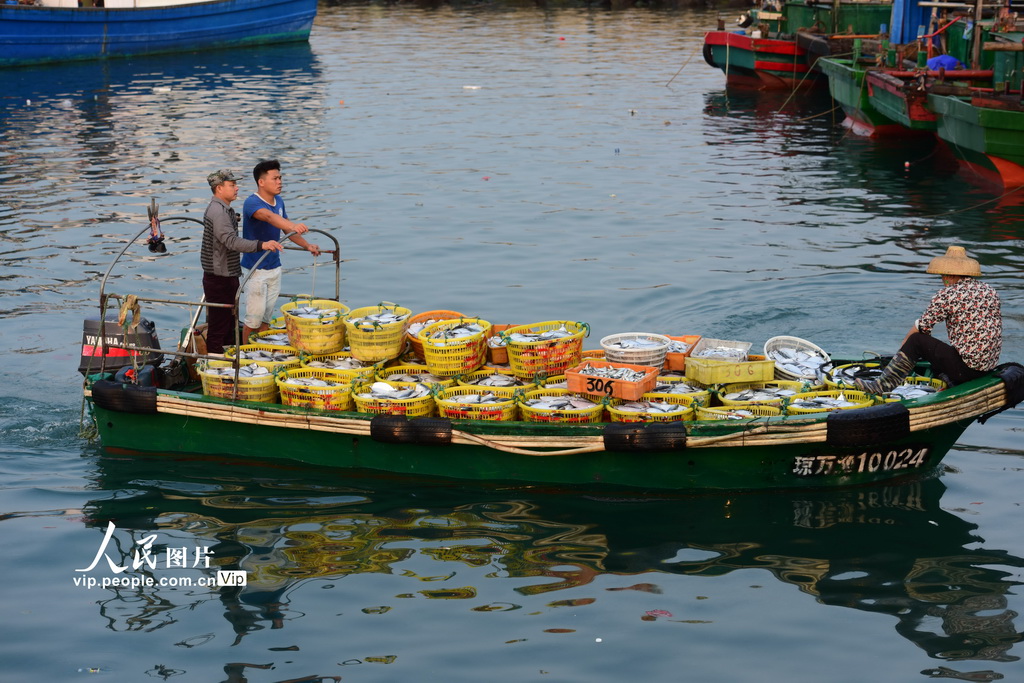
column 129, row 305
column 700, row 47
column 969, row 208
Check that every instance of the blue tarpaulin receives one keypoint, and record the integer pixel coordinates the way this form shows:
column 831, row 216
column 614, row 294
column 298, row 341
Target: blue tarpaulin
column 907, row 18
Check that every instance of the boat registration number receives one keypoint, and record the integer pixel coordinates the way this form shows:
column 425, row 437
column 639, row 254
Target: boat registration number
column 910, row 458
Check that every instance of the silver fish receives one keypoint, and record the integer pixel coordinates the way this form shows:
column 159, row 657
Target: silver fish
column 727, row 353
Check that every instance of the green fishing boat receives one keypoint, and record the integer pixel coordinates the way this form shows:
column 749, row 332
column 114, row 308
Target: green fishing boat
column 174, row 418
column 776, row 46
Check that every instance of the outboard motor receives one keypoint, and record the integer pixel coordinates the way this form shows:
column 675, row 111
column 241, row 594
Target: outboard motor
column 115, row 358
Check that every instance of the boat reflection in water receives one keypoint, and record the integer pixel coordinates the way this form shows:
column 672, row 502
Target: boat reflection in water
column 890, row 550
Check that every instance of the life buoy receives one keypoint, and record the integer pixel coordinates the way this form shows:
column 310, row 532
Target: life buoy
column 124, row 398
column 426, row 431
column 879, row 424
column 632, row 437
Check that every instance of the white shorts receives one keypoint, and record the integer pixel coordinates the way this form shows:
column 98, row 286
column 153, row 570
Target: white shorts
column 261, row 293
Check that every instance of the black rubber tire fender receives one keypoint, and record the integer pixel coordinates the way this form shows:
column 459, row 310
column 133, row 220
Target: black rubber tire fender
column 426, row 431
column 124, row 398
column 876, row 425
column 709, row 56
column 634, row 437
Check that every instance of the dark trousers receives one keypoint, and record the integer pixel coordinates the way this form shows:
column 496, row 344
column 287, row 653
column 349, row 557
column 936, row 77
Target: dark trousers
column 222, row 322
column 944, row 358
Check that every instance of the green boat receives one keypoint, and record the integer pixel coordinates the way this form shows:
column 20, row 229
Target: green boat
column 840, row 448
column 777, row 46
column 848, row 85
column 984, row 127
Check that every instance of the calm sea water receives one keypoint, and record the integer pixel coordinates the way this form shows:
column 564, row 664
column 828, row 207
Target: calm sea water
column 521, row 166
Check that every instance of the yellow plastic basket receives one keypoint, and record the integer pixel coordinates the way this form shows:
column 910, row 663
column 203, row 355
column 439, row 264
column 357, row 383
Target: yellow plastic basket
column 795, row 386
column 311, row 335
column 261, row 389
column 447, row 357
column 412, row 407
column 338, row 397
column 375, row 343
column 748, row 412
column 531, row 414
column 448, row 404
column 265, row 337
column 858, row 398
column 619, row 415
column 291, row 362
column 551, row 357
column 414, row 340
column 353, row 374
column 389, row 372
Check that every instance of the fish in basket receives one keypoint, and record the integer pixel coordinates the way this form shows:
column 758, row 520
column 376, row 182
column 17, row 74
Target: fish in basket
column 315, row 325
column 420, row 322
column 316, row 389
column 410, row 399
column 478, row 403
column 558, row 405
column 455, row 347
column 377, row 333
column 252, row 383
column 548, row 348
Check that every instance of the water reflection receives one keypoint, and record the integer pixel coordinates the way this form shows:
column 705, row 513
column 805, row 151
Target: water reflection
column 888, row 550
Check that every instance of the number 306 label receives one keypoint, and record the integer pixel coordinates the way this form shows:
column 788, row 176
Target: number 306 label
column 868, row 461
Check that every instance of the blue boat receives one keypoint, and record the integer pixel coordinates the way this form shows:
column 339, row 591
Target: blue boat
column 31, row 34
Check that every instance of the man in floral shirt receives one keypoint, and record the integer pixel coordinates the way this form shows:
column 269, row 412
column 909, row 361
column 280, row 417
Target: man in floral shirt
column 974, row 325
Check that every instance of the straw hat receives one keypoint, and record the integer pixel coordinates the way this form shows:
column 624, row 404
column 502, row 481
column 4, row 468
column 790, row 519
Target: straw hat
column 955, row 262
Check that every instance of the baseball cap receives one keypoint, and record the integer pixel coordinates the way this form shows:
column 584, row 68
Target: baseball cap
column 219, row 177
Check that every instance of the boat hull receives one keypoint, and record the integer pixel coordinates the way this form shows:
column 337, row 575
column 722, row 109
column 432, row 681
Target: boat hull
column 900, row 101
column 33, row 35
column 780, row 453
column 987, row 141
column 765, row 63
column 848, row 87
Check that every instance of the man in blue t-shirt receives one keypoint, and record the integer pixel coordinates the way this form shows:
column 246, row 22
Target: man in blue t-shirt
column 264, row 218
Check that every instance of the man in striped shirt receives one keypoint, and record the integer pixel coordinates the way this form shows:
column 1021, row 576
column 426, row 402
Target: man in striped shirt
column 220, row 260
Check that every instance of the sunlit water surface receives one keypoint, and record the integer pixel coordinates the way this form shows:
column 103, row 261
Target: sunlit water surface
column 521, row 166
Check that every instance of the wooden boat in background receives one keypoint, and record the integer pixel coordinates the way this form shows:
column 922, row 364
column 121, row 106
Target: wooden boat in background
column 60, row 30
column 777, row 47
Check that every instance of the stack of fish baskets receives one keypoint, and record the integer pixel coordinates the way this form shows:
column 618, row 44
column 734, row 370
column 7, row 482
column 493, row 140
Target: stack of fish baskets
column 478, row 403
column 315, row 325
column 377, row 333
column 636, row 348
column 547, row 348
column 410, row 399
column 268, row 356
column 316, row 389
column 420, row 321
column 455, row 347
column 219, row 380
